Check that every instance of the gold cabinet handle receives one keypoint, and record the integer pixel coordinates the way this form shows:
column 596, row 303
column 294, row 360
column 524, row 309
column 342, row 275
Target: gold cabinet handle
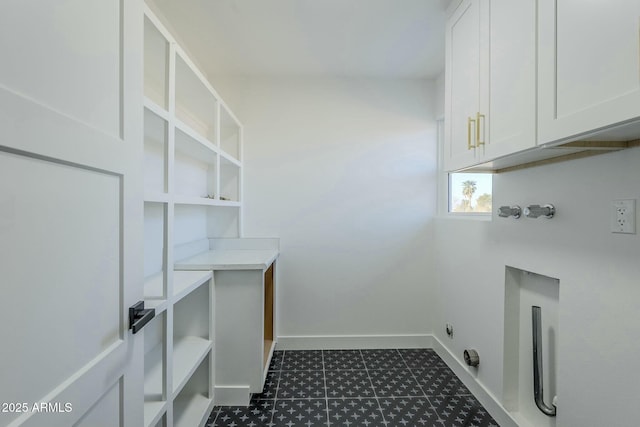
column 469, row 121
column 478, row 117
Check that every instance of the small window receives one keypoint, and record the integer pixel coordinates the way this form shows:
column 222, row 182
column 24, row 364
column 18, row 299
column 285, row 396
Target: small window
column 470, row 193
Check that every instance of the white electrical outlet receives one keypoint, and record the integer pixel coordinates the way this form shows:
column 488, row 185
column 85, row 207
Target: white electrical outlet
column 623, row 216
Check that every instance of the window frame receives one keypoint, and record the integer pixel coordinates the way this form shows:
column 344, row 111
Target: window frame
column 444, row 186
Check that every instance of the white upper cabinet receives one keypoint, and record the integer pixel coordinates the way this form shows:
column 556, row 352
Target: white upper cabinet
column 510, row 106
column 490, row 101
column 589, row 66
column 462, row 85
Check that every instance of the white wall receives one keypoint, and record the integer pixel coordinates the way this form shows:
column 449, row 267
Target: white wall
column 599, row 302
column 439, row 96
column 343, row 171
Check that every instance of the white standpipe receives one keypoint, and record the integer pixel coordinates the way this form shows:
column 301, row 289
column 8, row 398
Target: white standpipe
column 538, row 393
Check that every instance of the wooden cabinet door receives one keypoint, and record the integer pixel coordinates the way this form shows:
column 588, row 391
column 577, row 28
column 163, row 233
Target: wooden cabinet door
column 462, row 85
column 509, row 124
column 269, row 318
column 589, row 66
column 70, row 213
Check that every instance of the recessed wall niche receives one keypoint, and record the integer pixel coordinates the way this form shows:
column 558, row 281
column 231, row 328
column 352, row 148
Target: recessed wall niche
column 523, row 290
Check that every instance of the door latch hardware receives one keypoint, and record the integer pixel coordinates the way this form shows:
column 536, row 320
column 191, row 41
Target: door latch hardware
column 139, row 316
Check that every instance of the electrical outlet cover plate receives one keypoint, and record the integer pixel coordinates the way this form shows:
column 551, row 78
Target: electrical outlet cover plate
column 623, row 216
column 449, row 330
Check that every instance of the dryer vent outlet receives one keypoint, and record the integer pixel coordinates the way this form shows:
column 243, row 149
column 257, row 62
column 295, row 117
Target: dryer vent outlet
column 471, row 358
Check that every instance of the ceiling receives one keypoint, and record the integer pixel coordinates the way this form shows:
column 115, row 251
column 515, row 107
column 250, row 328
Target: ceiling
column 285, row 38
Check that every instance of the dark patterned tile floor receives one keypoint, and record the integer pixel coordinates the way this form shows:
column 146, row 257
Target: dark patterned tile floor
column 353, row 388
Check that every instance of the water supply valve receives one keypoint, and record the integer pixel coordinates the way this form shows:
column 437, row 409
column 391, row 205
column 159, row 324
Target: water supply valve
column 534, row 211
column 507, row 211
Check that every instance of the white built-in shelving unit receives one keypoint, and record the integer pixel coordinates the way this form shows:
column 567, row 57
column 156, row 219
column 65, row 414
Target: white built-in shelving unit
column 179, row 343
column 192, row 191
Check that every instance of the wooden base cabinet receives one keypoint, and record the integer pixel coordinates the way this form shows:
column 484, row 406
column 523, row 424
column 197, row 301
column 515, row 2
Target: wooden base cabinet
column 269, row 313
column 244, row 333
column 245, row 289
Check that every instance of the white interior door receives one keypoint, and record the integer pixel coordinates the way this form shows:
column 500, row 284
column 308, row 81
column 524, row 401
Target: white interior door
column 70, row 212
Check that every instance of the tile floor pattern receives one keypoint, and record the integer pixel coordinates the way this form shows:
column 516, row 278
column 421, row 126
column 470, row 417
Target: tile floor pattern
column 352, row 388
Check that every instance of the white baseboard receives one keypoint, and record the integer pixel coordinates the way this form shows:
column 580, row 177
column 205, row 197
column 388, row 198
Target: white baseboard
column 484, row 396
column 350, row 342
column 232, row 395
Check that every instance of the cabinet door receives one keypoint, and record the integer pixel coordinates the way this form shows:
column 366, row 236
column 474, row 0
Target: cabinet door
column 589, row 66
column 510, row 108
column 462, row 81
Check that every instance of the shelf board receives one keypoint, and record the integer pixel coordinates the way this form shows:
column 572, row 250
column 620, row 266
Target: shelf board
column 195, row 136
column 230, row 133
column 191, row 410
column 156, row 198
column 153, row 287
column 153, row 293
column 229, row 158
column 184, row 282
column 153, row 374
column 198, row 74
column 159, row 305
column 188, row 353
column 229, row 179
column 191, row 200
column 230, row 203
column 156, row 109
column 229, row 162
column 191, row 144
column 224, row 107
column 153, row 411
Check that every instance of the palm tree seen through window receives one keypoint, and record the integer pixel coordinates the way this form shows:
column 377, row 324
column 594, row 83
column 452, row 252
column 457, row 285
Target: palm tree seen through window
column 470, row 192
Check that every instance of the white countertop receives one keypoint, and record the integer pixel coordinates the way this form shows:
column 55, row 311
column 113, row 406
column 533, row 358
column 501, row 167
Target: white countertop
column 238, row 259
